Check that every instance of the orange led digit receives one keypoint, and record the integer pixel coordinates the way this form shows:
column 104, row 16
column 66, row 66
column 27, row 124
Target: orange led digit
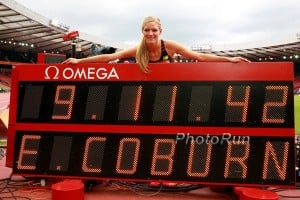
column 128, row 155
column 243, row 104
column 278, row 116
column 88, row 159
column 29, row 152
column 235, row 157
column 275, row 160
column 165, row 102
column 136, row 112
column 162, row 161
column 172, row 104
column 130, row 102
column 197, row 158
column 64, row 98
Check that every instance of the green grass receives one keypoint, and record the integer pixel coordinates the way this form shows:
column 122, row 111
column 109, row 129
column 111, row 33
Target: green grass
column 297, row 114
column 3, row 143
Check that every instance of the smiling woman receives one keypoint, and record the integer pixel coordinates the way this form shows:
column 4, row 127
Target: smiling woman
column 153, row 49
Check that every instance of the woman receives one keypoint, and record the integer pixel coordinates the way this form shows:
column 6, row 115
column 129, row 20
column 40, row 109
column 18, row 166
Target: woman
column 152, row 49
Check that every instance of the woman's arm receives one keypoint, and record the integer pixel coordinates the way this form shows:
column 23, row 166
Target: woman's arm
column 104, row 58
column 174, row 47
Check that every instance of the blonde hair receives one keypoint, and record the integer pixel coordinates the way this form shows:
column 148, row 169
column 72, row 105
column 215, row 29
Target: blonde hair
column 142, row 56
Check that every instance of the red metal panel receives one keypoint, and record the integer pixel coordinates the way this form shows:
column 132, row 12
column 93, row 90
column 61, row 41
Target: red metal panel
column 160, row 130
column 159, row 72
column 98, row 72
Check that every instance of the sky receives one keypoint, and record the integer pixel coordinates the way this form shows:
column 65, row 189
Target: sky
column 190, row 22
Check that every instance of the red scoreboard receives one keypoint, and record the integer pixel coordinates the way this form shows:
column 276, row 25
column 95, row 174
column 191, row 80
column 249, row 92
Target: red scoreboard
column 213, row 123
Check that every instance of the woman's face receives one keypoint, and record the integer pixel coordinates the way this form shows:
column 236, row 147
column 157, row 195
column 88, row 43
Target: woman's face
column 151, row 32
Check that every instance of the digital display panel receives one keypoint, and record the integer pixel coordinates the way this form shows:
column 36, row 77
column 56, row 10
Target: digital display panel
column 152, row 103
column 112, row 121
column 151, row 157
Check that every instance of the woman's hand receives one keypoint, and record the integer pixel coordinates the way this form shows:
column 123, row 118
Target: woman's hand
column 238, row 59
column 71, row 61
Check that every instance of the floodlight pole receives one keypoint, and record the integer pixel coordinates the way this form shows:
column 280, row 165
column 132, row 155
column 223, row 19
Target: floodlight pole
column 73, row 44
column 74, row 37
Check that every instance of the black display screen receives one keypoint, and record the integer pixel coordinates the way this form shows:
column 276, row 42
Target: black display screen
column 219, row 103
column 150, row 156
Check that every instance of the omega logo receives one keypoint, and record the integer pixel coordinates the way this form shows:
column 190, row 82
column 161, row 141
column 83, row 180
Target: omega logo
column 90, row 73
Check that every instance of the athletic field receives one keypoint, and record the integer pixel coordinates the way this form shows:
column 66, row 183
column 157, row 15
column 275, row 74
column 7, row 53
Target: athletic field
column 297, row 114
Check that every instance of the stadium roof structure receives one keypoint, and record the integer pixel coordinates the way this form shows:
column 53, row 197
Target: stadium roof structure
column 279, row 49
column 23, row 30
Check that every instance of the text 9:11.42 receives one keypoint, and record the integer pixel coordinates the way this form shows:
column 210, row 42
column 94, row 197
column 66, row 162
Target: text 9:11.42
column 199, row 103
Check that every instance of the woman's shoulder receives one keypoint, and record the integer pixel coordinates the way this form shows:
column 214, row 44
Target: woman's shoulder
column 173, row 46
column 172, row 43
column 168, row 42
